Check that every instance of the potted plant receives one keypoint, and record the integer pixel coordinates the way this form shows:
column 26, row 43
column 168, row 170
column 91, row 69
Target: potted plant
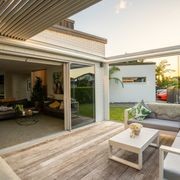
column 19, row 109
column 37, row 96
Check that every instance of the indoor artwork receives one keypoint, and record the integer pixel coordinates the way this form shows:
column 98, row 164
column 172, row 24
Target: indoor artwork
column 58, row 83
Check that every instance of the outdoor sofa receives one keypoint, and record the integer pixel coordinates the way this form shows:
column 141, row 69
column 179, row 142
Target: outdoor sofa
column 164, row 117
column 6, row 172
column 11, row 113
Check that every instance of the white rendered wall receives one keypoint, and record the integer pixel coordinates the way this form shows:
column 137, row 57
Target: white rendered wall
column 70, row 42
column 134, row 92
column 88, row 46
column 16, row 85
column 19, row 86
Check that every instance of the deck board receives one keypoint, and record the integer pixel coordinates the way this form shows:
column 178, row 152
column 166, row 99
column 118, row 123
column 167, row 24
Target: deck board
column 82, row 154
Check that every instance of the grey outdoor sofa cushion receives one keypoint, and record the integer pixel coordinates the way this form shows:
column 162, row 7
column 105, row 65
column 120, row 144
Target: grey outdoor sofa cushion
column 172, row 163
column 165, row 111
column 167, row 125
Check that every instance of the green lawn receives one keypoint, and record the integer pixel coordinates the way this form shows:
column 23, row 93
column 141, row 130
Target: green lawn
column 116, row 112
column 86, row 110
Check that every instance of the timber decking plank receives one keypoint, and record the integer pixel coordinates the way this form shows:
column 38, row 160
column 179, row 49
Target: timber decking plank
column 72, row 155
column 83, row 155
column 51, row 149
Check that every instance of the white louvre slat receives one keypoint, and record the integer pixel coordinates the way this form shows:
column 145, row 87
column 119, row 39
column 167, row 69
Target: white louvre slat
column 67, row 11
column 22, row 19
column 27, row 17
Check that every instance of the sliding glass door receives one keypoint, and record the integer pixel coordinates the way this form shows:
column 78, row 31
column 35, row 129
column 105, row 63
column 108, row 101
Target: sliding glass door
column 82, row 79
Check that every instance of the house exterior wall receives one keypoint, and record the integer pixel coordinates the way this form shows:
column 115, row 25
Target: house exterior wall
column 134, row 92
column 47, row 47
column 80, row 44
column 71, row 42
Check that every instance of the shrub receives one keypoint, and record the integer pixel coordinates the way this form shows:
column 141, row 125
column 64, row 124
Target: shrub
column 83, row 94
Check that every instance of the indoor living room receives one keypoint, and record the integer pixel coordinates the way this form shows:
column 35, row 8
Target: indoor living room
column 31, row 101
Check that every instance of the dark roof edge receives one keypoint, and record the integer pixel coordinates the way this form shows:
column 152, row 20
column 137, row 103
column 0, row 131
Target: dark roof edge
column 73, row 32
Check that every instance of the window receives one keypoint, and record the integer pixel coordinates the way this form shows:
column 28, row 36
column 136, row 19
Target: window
column 133, row 79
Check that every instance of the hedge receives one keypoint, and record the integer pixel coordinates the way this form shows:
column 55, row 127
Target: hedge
column 83, row 94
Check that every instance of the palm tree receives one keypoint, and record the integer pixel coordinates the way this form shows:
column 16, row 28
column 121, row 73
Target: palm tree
column 161, row 70
column 113, row 70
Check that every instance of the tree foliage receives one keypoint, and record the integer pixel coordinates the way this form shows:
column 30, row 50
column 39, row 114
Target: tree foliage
column 38, row 92
column 113, row 70
column 163, row 81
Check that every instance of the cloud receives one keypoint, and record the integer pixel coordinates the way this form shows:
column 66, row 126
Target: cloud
column 121, row 5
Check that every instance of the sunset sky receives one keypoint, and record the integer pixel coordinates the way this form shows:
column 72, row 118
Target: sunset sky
column 172, row 62
column 132, row 25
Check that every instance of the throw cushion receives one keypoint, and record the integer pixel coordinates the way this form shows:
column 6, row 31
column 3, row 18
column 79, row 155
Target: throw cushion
column 54, row 105
column 139, row 111
column 152, row 114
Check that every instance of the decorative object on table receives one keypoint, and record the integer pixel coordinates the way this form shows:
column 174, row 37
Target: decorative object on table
column 139, row 111
column 23, row 113
column 38, row 96
column 29, row 112
column 19, row 109
column 135, row 129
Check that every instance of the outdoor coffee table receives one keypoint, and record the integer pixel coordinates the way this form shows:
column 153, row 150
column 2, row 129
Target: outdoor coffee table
column 136, row 145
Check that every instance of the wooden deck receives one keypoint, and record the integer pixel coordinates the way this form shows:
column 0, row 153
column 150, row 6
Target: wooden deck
column 82, row 154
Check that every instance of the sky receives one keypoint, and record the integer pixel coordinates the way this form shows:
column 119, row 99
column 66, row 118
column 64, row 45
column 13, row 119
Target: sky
column 132, row 25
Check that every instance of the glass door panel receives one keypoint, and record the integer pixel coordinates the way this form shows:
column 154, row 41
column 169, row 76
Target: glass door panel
column 82, row 95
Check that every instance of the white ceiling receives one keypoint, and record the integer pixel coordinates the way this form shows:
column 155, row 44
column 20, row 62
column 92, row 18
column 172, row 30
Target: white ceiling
column 21, row 67
column 22, row 19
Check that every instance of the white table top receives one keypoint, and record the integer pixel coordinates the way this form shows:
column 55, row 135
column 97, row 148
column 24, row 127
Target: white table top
column 139, row 142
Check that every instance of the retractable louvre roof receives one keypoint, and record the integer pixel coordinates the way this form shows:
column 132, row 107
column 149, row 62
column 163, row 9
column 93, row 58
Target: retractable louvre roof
column 22, row 19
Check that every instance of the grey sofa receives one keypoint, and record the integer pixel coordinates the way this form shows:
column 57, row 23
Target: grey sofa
column 164, row 117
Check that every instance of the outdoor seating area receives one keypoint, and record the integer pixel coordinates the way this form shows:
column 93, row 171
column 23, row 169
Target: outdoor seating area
column 163, row 117
column 89, row 90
